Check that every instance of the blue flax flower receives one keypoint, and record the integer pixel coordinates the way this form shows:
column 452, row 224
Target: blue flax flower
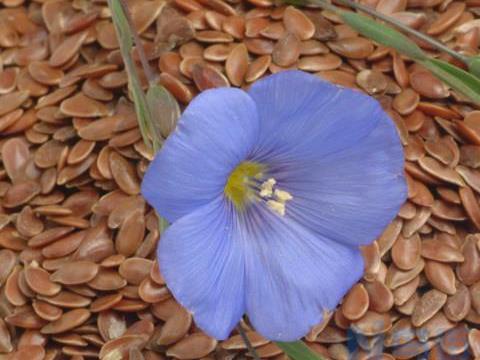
column 270, row 192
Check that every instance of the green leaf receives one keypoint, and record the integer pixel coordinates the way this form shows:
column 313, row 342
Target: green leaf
column 383, row 34
column 162, row 224
column 164, row 109
column 125, row 36
column 474, row 65
column 462, row 81
column 296, row 2
column 298, row 351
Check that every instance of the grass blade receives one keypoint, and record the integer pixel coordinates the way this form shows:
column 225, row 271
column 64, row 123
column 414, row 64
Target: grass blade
column 297, row 350
column 383, row 34
column 462, row 81
column 474, row 65
column 405, row 28
column 126, row 45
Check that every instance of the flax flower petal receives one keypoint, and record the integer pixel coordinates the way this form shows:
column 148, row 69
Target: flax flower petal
column 335, row 150
column 302, row 116
column 351, row 195
column 215, row 133
column 203, row 264
column 293, row 275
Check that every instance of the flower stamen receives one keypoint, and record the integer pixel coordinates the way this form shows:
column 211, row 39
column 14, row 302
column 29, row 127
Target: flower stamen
column 246, row 184
column 282, row 195
column 277, row 207
column 266, row 188
column 276, row 198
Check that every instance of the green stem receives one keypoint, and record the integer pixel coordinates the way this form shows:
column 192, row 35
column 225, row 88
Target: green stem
column 435, row 43
column 140, row 49
column 124, row 35
column 147, row 70
column 247, row 342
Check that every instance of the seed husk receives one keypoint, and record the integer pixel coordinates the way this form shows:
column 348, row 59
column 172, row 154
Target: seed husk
column 34, row 352
column 446, row 19
column 177, row 327
column 9, row 119
column 46, row 311
column 207, row 77
column 401, row 333
column 372, row 323
column 412, row 349
column 5, row 338
column 380, row 297
column 11, row 101
column 458, row 305
column 437, row 325
column 473, row 341
column 287, row 50
column 257, row 68
column 75, row 273
column 235, row 342
column 67, row 49
column 373, row 82
column 25, row 318
column 406, row 252
column 67, row 321
column 81, row 106
column 38, row 280
column 427, row 85
column 107, row 280
column 405, row 103
column 441, row 276
column 320, row 62
column 413, row 225
column 106, row 302
column 135, row 269
column 372, row 261
column 63, row 246
column 396, row 277
column 353, row 47
column 434, row 168
column 196, row 345
column 430, row 303
column 8, row 261
column 296, row 22
column 390, row 234
column 130, row 234
column 356, row 303
column 469, row 271
column 49, row 236
column 236, row 64
column 455, row 341
column 119, row 348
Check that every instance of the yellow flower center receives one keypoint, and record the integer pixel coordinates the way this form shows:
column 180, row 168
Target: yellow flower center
column 247, row 183
column 238, row 187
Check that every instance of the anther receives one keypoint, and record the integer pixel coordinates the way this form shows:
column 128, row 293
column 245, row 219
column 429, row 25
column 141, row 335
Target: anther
column 282, row 196
column 277, row 207
column 266, row 188
column 275, row 198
